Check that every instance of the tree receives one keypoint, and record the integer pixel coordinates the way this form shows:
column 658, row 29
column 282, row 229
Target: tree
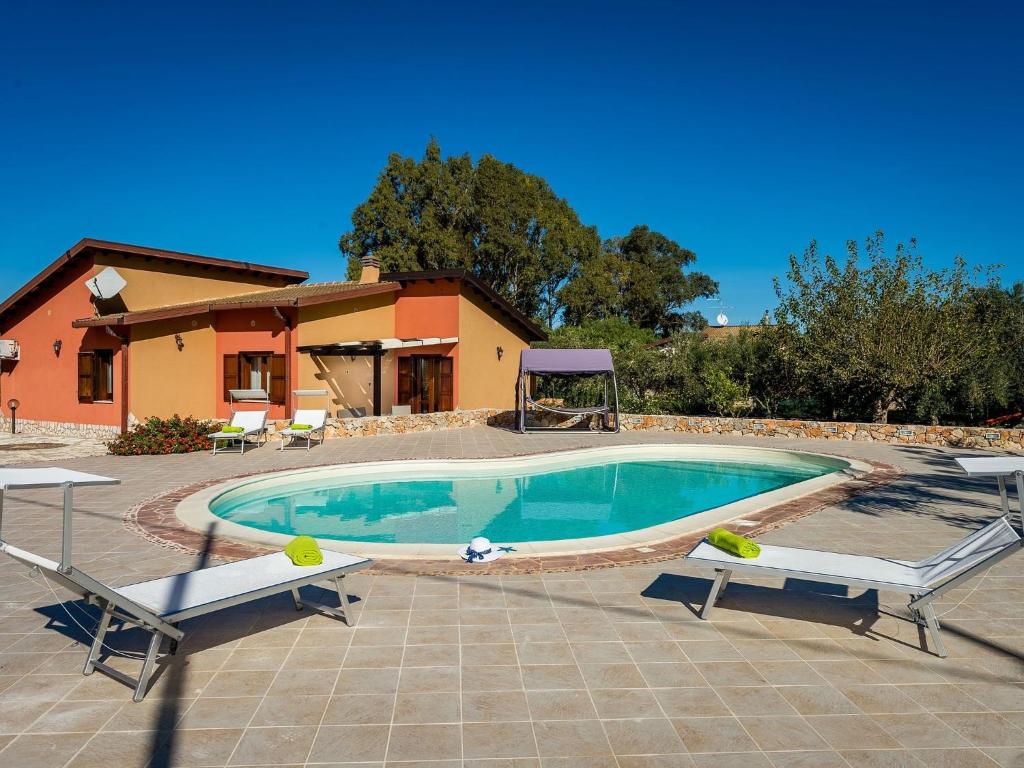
column 868, row 340
column 640, row 278
column 504, row 225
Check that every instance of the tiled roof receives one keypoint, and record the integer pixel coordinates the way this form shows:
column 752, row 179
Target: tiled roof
column 293, row 295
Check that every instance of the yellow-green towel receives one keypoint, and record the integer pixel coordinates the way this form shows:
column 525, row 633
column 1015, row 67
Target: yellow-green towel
column 733, row 543
column 302, row 426
column 303, row 550
column 232, row 429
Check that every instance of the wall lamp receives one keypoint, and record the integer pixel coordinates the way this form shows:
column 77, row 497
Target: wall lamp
column 179, row 342
column 57, row 344
column 500, row 352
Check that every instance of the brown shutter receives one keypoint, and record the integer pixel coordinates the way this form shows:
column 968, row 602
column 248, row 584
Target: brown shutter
column 86, row 368
column 230, row 375
column 404, row 380
column 278, row 380
column 103, row 375
column 447, row 384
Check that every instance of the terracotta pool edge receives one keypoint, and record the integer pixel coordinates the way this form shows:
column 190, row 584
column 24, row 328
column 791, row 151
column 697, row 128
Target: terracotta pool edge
column 155, row 520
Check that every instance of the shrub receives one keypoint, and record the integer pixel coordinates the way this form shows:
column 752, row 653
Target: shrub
column 161, row 436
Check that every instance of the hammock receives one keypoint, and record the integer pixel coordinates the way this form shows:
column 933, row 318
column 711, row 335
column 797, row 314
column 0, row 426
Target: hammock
column 566, row 411
column 566, row 362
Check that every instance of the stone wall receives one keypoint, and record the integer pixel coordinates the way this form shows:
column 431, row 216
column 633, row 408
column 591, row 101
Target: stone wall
column 896, row 434
column 61, row 429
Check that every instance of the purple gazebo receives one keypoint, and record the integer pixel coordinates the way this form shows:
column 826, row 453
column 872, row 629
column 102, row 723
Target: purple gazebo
column 567, row 362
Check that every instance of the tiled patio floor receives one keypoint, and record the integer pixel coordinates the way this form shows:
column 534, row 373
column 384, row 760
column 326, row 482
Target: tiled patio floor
column 608, row 668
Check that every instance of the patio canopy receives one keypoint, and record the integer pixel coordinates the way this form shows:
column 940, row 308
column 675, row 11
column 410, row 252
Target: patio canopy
column 566, row 361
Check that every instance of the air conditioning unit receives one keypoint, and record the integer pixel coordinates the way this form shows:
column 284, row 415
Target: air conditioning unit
column 9, row 350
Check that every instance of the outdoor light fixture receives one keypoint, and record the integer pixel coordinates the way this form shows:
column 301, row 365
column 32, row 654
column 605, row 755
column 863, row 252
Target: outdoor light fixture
column 180, row 342
column 500, row 352
column 57, row 344
column 13, row 405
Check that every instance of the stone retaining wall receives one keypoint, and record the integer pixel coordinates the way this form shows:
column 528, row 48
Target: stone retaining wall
column 896, row 434
column 61, row 429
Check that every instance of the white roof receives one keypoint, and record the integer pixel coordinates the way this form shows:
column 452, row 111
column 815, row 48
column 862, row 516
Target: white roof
column 49, row 477
column 991, row 465
column 400, row 343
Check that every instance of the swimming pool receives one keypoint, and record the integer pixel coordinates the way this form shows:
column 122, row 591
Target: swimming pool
column 591, row 497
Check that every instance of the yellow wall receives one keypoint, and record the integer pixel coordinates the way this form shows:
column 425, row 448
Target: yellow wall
column 484, row 381
column 350, row 382
column 154, row 283
column 164, row 380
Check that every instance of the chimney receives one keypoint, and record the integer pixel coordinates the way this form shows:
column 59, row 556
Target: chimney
column 371, row 269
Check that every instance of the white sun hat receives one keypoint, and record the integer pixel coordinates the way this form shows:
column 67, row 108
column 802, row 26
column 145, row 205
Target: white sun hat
column 480, row 550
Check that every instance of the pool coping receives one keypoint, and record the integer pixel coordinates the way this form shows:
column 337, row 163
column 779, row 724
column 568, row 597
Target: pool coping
column 157, row 519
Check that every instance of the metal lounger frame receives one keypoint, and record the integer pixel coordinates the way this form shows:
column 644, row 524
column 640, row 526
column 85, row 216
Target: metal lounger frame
column 241, row 437
column 920, row 604
column 116, row 606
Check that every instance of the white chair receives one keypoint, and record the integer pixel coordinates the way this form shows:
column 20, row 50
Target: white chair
column 316, row 419
column 251, row 422
column 924, row 580
column 159, row 605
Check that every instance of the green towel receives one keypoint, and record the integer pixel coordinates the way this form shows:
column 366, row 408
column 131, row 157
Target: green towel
column 232, row 429
column 303, row 550
column 733, row 543
column 302, row 426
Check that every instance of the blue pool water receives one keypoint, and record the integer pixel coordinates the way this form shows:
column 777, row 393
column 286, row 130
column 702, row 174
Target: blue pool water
column 565, row 503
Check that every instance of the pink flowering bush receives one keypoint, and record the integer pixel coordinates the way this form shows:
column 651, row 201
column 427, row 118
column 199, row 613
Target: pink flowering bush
column 161, row 436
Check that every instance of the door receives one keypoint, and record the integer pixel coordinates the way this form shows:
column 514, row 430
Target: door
column 425, row 382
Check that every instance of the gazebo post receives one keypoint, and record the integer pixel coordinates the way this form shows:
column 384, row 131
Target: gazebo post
column 376, row 382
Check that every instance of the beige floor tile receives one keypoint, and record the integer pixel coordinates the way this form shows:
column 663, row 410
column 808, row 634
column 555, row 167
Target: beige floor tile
column 643, row 736
column 560, row 705
column 783, row 734
column 713, row 734
column 494, row 706
column 417, row 708
column 571, row 738
column 354, row 743
column 360, row 709
column 424, row 742
column 626, row 702
column 290, row 711
column 43, row 750
column 818, row 700
column 498, row 740
column 852, row 731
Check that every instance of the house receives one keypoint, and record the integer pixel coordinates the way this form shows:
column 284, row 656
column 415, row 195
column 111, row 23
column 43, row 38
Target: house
column 184, row 329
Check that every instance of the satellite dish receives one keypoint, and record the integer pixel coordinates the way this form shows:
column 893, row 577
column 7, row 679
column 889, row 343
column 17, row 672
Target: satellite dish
column 106, row 284
column 722, row 319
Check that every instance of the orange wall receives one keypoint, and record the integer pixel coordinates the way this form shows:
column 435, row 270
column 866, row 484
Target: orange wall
column 165, row 380
column 424, row 310
column 47, row 385
column 154, row 283
column 253, row 330
column 483, row 380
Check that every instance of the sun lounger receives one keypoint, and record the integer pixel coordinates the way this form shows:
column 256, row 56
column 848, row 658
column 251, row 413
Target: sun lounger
column 316, row 419
column 160, row 605
column 251, row 422
column 924, row 580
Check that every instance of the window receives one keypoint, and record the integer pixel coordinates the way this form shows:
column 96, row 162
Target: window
column 256, row 370
column 425, row 383
column 96, row 376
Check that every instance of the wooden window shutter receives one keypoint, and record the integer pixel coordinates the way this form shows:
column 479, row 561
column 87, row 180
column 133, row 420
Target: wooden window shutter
column 231, row 380
column 404, row 380
column 447, row 384
column 278, row 379
column 86, row 372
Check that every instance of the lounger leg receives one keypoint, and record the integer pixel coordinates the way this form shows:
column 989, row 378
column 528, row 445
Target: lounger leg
column 717, row 588
column 147, row 666
column 933, row 630
column 297, row 599
column 339, row 584
column 97, row 643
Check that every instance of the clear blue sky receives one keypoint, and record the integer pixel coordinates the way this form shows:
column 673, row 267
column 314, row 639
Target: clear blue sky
column 742, row 130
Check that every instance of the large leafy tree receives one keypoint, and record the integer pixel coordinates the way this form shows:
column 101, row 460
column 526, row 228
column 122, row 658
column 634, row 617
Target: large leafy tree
column 505, row 225
column 870, row 338
column 641, row 278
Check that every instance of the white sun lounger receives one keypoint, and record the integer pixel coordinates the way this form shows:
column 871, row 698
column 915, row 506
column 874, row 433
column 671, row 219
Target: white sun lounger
column 924, row 580
column 159, row 605
column 317, row 419
column 251, row 422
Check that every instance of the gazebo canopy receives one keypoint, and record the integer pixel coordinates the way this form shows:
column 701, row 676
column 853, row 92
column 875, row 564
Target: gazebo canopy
column 566, row 361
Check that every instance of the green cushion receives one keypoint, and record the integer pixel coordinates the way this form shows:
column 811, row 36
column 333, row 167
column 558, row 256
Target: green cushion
column 302, row 426
column 232, row 429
